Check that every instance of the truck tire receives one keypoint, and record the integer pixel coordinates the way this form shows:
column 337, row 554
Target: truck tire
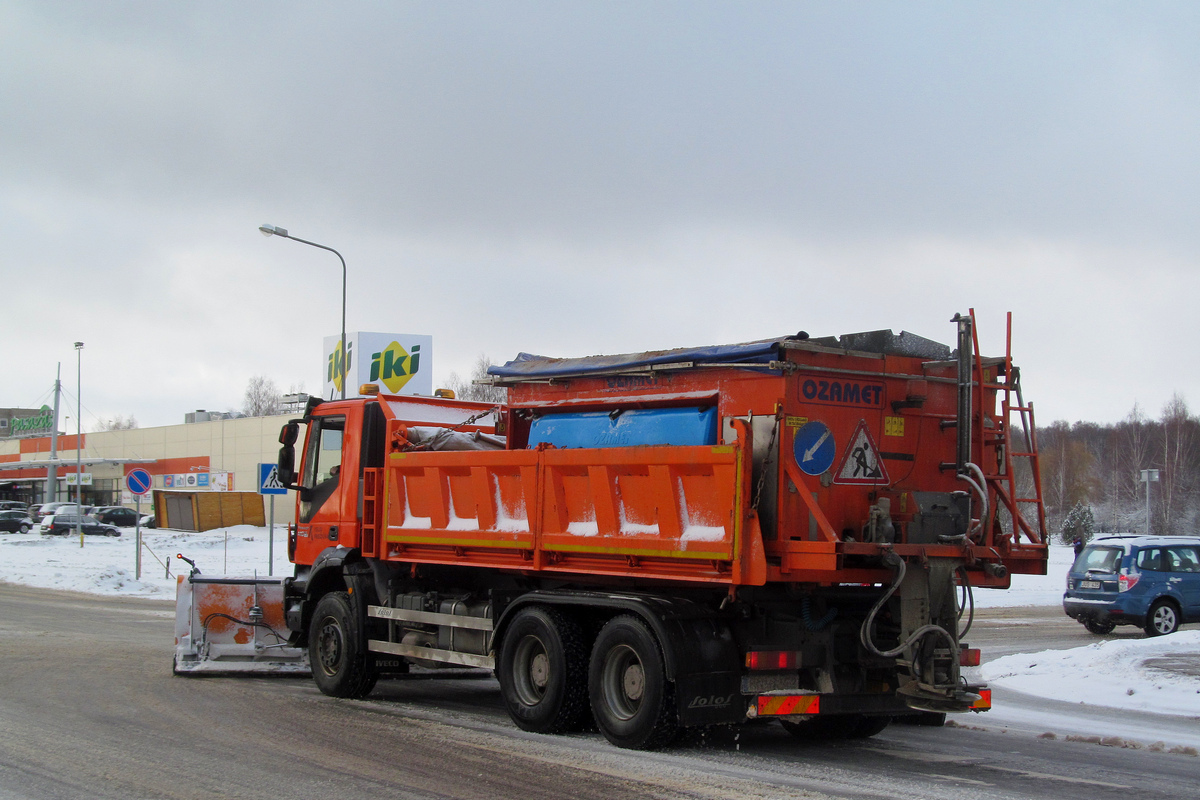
column 1162, row 619
column 337, row 651
column 632, row 700
column 543, row 671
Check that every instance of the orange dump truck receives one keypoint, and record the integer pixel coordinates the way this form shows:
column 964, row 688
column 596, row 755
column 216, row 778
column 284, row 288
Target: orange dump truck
column 788, row 529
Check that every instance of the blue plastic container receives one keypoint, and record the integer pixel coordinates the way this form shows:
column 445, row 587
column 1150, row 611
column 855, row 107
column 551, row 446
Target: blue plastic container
column 674, row 426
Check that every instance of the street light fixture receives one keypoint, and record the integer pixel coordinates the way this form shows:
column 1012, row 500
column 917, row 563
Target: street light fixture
column 273, row 230
column 79, row 441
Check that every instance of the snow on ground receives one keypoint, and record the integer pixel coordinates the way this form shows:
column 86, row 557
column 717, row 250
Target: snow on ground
column 1032, row 590
column 107, row 565
column 1129, row 674
column 1125, row 674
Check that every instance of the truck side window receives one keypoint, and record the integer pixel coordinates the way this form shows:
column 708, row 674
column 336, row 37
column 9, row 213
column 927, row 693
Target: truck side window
column 322, row 463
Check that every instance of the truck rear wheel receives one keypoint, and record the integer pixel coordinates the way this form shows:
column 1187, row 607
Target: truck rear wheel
column 337, row 652
column 632, row 701
column 542, row 671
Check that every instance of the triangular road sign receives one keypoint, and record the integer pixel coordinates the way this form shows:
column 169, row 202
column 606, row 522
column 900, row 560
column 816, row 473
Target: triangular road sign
column 861, row 463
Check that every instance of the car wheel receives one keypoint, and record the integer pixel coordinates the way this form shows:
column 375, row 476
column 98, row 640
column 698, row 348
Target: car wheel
column 1163, row 618
column 24, row 529
column 1099, row 627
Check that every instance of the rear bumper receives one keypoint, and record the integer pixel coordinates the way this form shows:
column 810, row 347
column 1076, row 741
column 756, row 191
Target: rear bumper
column 1081, row 608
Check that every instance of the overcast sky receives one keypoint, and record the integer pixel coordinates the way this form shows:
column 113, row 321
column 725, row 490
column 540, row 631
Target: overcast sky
column 579, row 178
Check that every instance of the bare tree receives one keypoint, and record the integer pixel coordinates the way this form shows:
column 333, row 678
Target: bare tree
column 474, row 387
column 117, row 423
column 262, row 398
column 1177, row 489
column 1067, row 471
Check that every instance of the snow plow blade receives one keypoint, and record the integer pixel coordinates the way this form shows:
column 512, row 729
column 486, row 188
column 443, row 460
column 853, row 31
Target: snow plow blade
column 233, row 625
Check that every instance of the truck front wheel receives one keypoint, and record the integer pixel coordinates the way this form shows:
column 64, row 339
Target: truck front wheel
column 632, row 700
column 337, row 652
column 543, row 671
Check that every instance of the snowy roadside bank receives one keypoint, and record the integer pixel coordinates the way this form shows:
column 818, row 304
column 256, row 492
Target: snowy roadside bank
column 108, row 565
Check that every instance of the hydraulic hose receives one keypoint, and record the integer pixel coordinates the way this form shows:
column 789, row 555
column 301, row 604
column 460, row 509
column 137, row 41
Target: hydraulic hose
column 864, row 633
column 978, row 487
column 968, row 601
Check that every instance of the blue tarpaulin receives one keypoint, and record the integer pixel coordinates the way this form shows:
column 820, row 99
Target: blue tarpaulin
column 526, row 365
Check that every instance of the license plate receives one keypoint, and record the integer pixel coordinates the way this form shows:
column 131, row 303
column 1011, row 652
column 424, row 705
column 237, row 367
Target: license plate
column 1089, row 584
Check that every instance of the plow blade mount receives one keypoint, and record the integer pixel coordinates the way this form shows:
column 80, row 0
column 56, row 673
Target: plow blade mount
column 233, row 625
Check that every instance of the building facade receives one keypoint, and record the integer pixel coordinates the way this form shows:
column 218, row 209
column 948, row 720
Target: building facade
column 215, row 455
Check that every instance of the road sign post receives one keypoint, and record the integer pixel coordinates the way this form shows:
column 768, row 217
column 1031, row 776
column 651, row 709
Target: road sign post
column 138, row 482
column 269, row 484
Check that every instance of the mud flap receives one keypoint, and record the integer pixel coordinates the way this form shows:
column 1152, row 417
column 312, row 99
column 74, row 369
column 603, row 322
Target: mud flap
column 233, row 625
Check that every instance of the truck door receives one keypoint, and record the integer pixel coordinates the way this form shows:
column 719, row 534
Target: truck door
column 319, row 521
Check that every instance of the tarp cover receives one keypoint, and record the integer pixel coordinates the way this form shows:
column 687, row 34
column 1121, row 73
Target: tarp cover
column 527, row 365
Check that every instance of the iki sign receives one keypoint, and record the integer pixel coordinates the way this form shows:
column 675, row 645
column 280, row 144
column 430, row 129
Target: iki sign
column 395, row 362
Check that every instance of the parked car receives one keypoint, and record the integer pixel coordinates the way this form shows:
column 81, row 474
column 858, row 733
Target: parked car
column 13, row 505
column 33, row 511
column 120, row 516
column 15, row 522
column 1149, row 581
column 55, row 508
column 64, row 524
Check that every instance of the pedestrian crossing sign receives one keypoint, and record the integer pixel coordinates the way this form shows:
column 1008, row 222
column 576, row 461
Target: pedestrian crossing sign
column 268, row 480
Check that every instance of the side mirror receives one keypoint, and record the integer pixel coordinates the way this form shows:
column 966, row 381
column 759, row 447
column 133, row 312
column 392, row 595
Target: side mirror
column 289, row 433
column 287, row 465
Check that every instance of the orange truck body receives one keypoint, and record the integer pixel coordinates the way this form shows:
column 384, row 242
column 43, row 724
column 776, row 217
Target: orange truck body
column 788, row 528
column 693, row 514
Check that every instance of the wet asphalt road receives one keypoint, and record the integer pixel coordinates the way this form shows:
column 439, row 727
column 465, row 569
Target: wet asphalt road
column 89, row 709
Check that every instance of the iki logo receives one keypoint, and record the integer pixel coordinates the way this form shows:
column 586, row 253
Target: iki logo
column 395, row 366
column 336, row 370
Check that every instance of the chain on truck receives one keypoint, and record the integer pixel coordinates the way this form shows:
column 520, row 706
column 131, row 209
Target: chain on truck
column 785, row 529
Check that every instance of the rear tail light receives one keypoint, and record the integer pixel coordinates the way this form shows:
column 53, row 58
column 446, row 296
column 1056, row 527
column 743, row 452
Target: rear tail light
column 1126, row 581
column 772, row 659
column 969, row 657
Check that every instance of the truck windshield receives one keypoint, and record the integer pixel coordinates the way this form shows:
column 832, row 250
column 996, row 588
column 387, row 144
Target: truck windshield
column 322, row 463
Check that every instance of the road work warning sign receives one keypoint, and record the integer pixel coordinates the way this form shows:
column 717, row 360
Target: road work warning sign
column 861, row 463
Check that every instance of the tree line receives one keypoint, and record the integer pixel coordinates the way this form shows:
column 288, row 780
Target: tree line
column 1092, row 474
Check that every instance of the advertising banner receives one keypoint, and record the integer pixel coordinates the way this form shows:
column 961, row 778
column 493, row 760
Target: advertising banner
column 398, row 363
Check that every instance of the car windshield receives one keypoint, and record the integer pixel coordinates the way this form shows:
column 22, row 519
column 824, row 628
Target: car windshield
column 1099, row 559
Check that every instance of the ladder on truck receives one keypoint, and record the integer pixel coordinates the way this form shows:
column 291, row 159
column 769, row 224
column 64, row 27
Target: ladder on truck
column 1000, row 476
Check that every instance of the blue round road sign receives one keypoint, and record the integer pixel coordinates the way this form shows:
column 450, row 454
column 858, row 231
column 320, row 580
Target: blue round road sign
column 138, row 481
column 814, row 448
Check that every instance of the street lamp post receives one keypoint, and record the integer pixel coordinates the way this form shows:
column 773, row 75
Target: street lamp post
column 272, row 230
column 79, row 441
